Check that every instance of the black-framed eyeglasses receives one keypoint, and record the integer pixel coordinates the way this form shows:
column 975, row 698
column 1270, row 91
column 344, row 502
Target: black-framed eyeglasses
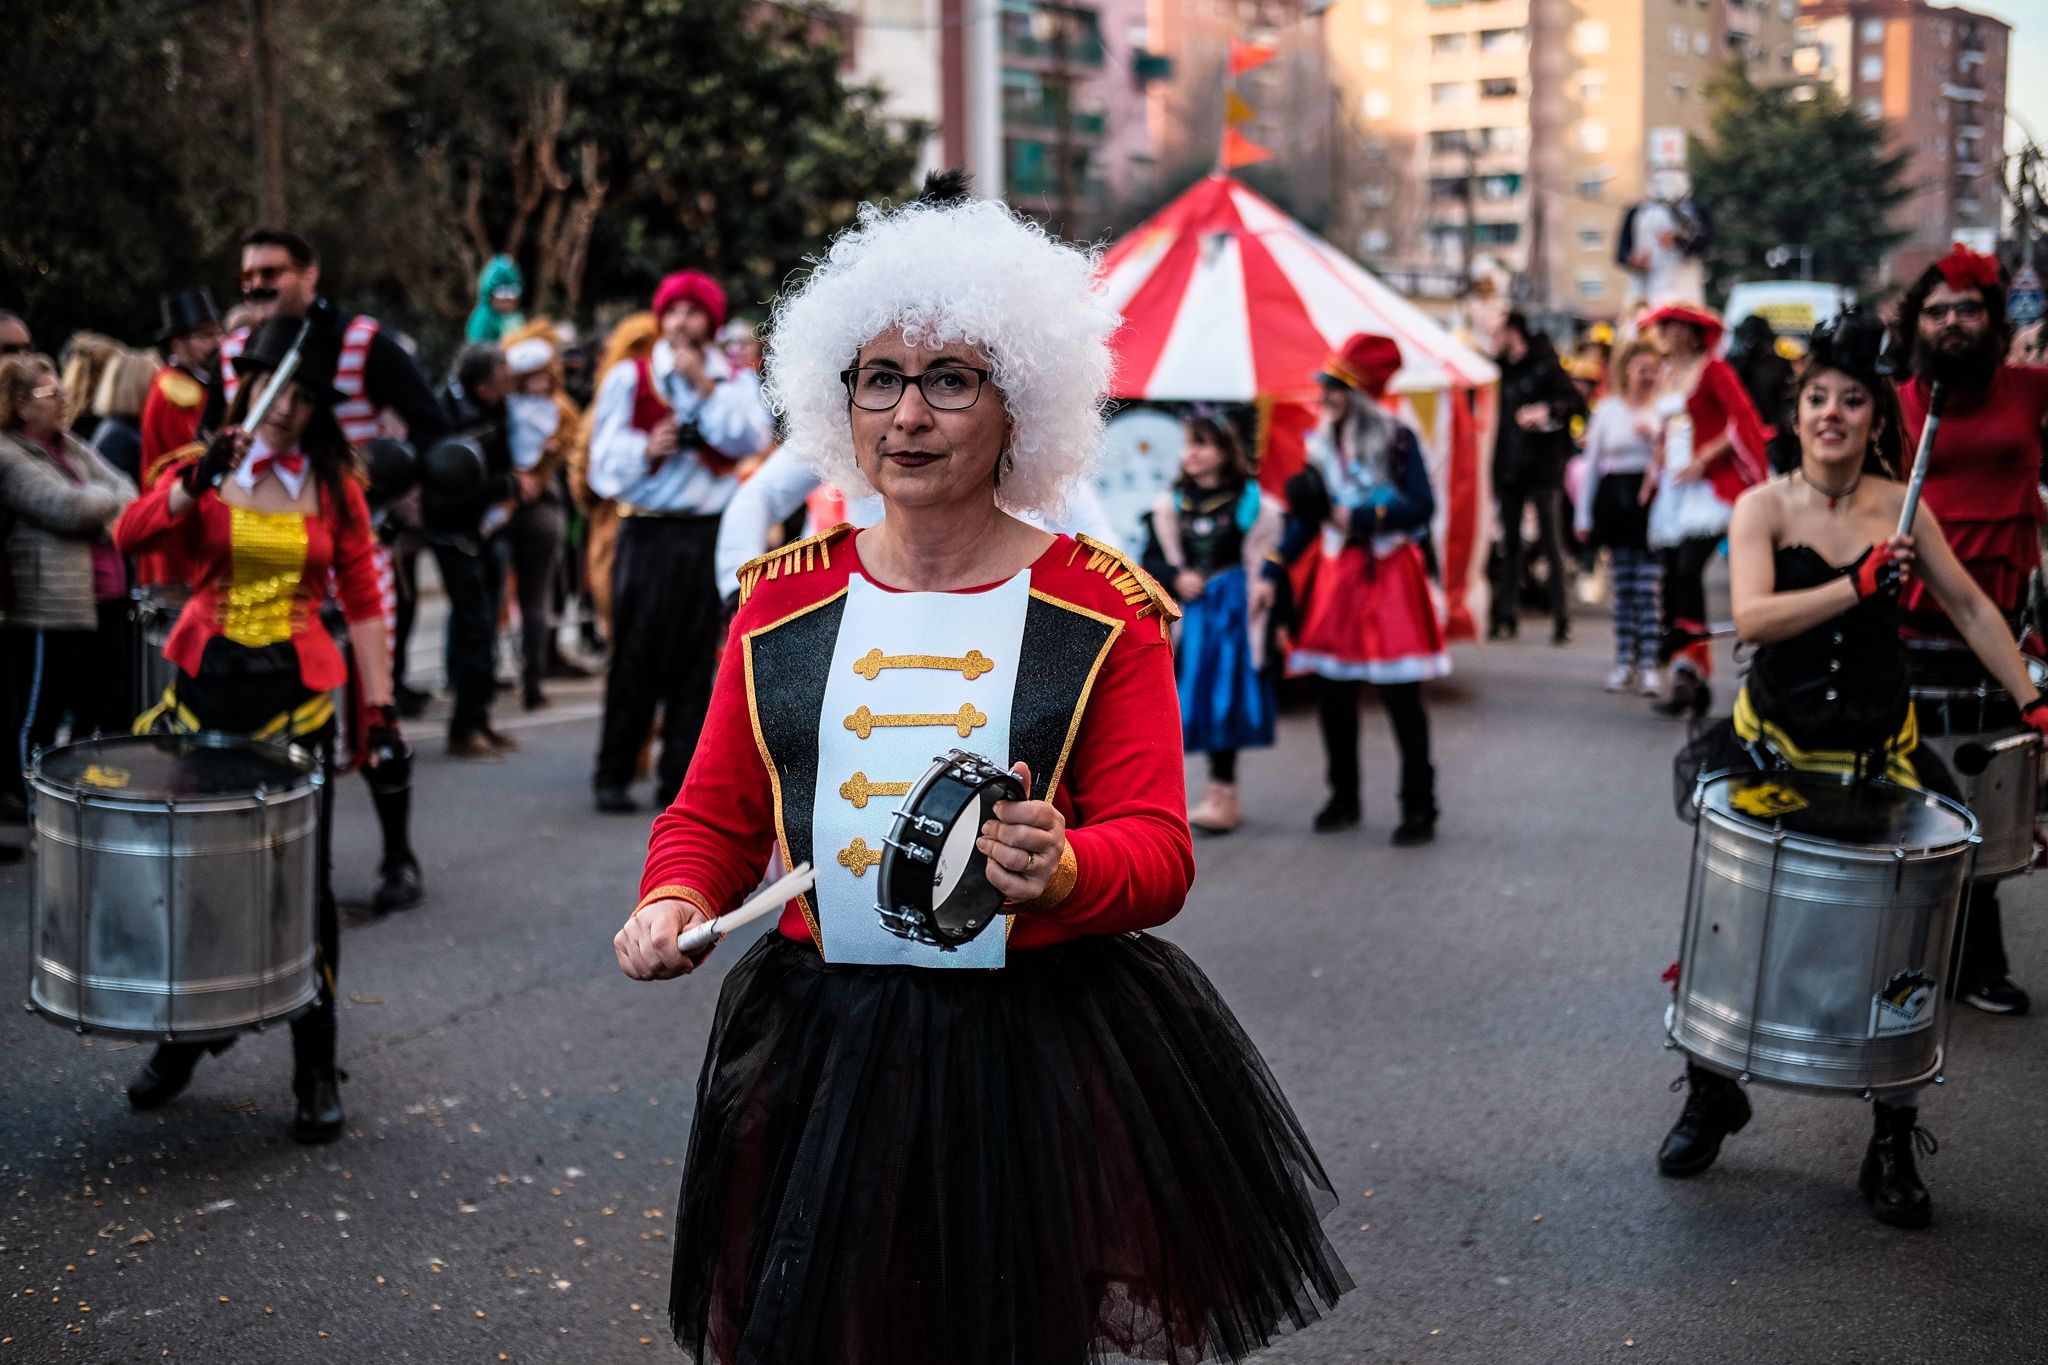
column 1969, row 310
column 945, row 388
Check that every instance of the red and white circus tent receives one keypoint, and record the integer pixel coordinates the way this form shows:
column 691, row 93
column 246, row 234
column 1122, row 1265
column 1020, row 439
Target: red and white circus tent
column 1227, row 299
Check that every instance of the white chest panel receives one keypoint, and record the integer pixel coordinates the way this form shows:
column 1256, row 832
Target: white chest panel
column 912, row 676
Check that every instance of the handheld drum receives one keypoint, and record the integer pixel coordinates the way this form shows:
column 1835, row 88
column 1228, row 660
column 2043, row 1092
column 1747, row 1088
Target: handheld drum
column 934, row 886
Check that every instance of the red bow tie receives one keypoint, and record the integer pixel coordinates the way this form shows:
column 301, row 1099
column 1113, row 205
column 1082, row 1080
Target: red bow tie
column 291, row 464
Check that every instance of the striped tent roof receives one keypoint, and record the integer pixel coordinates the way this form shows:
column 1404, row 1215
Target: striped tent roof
column 1226, row 298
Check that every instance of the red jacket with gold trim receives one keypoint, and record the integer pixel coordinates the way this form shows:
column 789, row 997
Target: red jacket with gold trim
column 203, row 543
column 1101, row 723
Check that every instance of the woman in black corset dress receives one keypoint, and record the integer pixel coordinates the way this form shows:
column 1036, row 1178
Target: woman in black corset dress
column 1814, row 572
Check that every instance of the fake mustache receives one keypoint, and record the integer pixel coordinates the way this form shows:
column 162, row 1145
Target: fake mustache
column 260, row 294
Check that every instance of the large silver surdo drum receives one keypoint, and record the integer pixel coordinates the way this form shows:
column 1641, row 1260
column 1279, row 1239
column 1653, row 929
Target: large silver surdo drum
column 174, row 884
column 1817, row 930
column 1974, row 729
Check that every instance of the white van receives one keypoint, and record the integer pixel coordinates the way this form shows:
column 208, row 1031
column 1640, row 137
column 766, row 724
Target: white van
column 1792, row 307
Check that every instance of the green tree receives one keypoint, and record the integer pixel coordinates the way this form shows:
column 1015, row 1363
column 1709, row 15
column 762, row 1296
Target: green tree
column 1779, row 170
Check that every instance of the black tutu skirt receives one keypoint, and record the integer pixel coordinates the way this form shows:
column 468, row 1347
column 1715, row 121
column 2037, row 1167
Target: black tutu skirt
column 1079, row 1156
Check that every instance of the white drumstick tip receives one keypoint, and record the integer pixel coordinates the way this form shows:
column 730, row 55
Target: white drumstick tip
column 768, row 899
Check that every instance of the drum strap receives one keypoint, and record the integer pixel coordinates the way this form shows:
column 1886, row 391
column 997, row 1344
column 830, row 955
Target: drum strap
column 1894, row 755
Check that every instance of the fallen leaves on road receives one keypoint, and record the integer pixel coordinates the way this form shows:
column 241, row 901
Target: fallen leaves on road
column 361, row 999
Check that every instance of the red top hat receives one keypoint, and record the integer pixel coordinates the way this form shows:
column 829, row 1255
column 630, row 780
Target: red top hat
column 1367, row 362
column 1705, row 319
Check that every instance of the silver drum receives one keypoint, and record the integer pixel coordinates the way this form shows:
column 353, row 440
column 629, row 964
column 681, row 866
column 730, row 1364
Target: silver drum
column 1997, row 768
column 1818, row 925
column 174, row 884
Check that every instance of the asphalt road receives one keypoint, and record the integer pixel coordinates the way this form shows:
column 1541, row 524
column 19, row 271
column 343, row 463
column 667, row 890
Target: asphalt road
column 1470, row 1032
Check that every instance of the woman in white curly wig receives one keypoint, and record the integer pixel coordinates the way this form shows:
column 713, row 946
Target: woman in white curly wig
column 1069, row 1149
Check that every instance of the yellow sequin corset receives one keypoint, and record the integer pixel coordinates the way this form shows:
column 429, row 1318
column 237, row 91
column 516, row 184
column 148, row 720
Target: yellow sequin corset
column 262, row 600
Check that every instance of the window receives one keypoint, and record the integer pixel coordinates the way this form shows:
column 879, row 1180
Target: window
column 1591, row 184
column 1592, row 284
column 1496, row 234
column 1590, row 37
column 1445, row 142
column 1450, row 92
column 1376, row 196
column 1679, row 86
column 1701, row 43
column 1592, row 236
column 1592, row 86
column 1375, row 56
column 1379, row 11
column 1871, row 110
column 1787, row 8
column 1870, row 69
column 1873, row 30
column 1373, row 241
column 1377, row 104
column 1503, row 39
column 1448, row 44
column 1679, row 41
column 1498, row 88
column 1447, row 187
column 1592, row 135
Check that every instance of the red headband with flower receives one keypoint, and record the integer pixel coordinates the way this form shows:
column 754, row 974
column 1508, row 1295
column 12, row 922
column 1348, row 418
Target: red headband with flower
column 1963, row 268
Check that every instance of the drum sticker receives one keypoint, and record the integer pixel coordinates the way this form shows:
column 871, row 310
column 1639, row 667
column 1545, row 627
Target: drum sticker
column 1767, row 800
column 1905, row 1005
column 99, row 775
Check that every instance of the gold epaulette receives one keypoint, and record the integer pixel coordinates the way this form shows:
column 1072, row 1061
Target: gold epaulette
column 181, row 389
column 169, row 458
column 1127, row 578
column 799, row 556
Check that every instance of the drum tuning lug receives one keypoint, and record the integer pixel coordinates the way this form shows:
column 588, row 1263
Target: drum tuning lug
column 1940, row 1078
column 1743, row 1078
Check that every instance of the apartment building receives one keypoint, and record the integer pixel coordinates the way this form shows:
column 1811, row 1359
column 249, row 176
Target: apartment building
column 1935, row 76
column 1504, row 138
column 1049, row 104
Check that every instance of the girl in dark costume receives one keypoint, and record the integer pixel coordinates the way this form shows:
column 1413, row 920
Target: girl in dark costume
column 1815, row 568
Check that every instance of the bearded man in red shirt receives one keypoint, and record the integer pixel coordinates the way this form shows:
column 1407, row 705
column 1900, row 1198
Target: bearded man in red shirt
column 1983, row 482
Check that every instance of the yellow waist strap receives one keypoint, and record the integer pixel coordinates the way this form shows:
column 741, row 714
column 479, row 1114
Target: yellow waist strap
column 1898, row 765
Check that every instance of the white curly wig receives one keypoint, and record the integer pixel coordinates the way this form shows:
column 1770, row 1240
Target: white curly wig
column 968, row 271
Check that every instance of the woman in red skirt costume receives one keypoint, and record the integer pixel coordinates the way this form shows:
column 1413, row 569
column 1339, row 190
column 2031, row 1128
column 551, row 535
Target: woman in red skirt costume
column 1371, row 615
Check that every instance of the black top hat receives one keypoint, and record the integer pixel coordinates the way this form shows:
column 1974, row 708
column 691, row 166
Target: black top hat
column 1853, row 342
column 186, row 311
column 319, row 355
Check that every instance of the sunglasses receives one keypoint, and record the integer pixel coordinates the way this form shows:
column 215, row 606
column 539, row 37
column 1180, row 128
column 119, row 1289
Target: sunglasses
column 13, row 348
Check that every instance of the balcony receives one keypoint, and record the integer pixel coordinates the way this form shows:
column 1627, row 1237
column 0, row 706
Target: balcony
column 1051, row 36
column 1043, row 120
column 1963, row 94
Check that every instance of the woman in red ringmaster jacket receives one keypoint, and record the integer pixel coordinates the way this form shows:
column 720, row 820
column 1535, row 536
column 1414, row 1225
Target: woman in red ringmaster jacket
column 259, row 522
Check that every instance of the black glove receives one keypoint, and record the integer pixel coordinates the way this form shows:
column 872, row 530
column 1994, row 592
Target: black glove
column 1308, row 497
column 381, row 737
column 209, row 469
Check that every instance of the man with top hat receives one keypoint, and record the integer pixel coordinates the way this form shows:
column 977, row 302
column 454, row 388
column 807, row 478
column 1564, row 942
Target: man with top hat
column 378, row 388
column 1369, row 616
column 190, row 337
column 667, row 431
column 1981, row 481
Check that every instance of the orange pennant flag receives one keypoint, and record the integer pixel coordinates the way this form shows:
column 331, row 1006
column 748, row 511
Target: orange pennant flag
column 1249, row 56
column 1239, row 150
column 1236, row 113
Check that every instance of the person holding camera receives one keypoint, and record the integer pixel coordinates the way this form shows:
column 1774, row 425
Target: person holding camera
column 668, row 431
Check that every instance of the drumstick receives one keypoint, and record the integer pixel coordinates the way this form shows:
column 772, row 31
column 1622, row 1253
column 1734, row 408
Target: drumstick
column 1937, row 399
column 772, row 897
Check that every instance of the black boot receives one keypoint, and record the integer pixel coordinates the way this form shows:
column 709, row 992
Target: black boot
column 1684, row 698
column 1339, row 812
column 1891, row 1180
column 168, row 1071
column 401, row 886
column 1714, row 1108
column 316, row 1081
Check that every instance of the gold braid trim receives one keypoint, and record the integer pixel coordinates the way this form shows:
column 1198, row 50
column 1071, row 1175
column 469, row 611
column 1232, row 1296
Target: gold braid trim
column 1059, row 888
column 799, row 556
column 1126, row 577
column 677, row 893
column 171, row 457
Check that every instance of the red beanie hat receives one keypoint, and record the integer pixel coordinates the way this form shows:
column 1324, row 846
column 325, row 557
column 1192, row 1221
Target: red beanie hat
column 691, row 286
column 1366, row 362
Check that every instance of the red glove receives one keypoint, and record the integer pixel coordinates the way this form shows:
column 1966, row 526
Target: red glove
column 2035, row 715
column 1876, row 573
